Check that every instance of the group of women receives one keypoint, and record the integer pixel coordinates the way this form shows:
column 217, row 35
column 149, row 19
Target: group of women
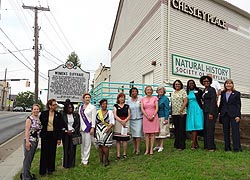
column 192, row 110
column 196, row 111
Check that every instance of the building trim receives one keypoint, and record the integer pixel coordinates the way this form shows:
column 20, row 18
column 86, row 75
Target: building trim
column 139, row 27
column 221, row 2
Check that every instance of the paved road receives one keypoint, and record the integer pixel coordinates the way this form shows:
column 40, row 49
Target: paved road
column 11, row 124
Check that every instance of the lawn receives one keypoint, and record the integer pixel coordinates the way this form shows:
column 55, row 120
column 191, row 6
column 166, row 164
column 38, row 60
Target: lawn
column 169, row 164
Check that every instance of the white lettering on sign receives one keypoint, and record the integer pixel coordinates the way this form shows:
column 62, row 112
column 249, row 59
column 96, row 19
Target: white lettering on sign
column 200, row 14
column 68, row 83
column 184, row 66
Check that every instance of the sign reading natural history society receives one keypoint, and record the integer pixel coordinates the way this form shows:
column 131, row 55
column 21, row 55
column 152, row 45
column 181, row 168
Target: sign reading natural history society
column 68, row 82
column 184, row 66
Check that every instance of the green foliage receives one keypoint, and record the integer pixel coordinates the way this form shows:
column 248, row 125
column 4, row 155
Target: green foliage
column 168, row 165
column 26, row 99
column 73, row 57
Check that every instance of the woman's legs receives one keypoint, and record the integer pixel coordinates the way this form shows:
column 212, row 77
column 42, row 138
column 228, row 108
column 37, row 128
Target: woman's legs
column 147, row 142
column 138, row 143
column 125, row 144
column 105, row 150
column 152, row 141
column 101, row 154
column 118, row 148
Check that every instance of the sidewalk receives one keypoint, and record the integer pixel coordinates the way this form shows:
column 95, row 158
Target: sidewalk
column 11, row 165
column 11, row 157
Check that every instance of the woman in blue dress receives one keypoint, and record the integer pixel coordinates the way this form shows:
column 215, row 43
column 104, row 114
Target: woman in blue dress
column 195, row 120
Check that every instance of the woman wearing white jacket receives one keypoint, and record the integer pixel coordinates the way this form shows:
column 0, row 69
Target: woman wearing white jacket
column 87, row 113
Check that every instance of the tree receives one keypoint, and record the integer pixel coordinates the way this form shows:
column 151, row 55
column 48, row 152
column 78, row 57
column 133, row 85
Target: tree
column 73, row 57
column 27, row 99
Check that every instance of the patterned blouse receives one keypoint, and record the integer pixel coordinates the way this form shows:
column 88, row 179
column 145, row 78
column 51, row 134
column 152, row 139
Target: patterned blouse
column 177, row 101
column 35, row 128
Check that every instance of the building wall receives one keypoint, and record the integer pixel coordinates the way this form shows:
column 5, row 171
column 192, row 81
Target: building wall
column 136, row 46
column 144, row 48
column 102, row 74
column 197, row 39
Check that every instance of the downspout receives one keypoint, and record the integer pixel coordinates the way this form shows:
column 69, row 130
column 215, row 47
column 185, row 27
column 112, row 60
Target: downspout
column 168, row 42
column 163, row 43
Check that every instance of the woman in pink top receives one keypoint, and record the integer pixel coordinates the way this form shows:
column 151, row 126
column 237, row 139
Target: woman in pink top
column 149, row 108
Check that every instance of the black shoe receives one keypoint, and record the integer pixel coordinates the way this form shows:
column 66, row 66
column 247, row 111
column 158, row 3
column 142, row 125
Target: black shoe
column 106, row 163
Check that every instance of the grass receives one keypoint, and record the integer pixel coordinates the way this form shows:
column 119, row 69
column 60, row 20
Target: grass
column 169, row 164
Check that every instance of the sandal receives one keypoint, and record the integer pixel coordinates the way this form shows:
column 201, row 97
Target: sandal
column 118, row 158
column 125, row 156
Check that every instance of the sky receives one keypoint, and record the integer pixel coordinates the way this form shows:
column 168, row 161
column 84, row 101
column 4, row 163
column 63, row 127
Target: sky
column 83, row 26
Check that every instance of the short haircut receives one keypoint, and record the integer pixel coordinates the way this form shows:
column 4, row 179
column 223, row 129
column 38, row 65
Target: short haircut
column 179, row 81
column 228, row 81
column 85, row 94
column 133, row 88
column 148, row 87
column 102, row 101
column 120, row 95
column 66, row 106
column 161, row 87
column 36, row 105
column 49, row 103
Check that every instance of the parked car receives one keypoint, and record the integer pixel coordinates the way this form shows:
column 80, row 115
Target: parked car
column 18, row 109
column 28, row 109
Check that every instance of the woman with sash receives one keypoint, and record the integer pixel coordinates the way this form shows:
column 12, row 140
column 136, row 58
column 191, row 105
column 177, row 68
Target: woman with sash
column 87, row 113
column 103, row 131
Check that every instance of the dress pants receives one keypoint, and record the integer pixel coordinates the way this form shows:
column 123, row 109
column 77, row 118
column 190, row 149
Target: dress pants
column 209, row 127
column 227, row 121
column 48, row 153
column 28, row 157
column 69, row 151
column 179, row 131
column 85, row 147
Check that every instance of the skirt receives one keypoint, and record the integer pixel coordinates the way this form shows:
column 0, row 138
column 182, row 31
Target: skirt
column 136, row 128
column 163, row 129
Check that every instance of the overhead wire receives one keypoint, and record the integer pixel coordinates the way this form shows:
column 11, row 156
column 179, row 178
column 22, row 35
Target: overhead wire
column 53, row 56
column 61, row 31
column 56, row 32
column 16, row 51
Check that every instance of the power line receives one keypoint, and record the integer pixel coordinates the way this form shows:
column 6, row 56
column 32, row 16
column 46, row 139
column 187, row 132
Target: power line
column 15, row 47
column 56, row 32
column 53, row 56
column 52, row 42
column 61, row 31
column 48, row 59
column 16, row 51
column 20, row 60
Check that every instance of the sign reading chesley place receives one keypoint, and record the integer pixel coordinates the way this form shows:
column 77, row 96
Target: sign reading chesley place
column 200, row 14
column 68, row 82
column 185, row 66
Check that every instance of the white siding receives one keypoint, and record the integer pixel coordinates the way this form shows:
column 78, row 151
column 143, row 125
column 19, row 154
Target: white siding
column 135, row 60
column 197, row 39
column 133, row 11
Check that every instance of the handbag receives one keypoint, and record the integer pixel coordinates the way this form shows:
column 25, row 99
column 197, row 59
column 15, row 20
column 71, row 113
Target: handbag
column 77, row 139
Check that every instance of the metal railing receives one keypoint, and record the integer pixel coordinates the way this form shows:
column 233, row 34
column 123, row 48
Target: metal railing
column 110, row 90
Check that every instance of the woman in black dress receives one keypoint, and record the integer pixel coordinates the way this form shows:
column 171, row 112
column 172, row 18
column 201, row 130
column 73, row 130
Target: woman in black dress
column 122, row 116
column 71, row 127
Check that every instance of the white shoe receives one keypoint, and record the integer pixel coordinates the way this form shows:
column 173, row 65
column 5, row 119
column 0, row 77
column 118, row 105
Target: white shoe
column 160, row 149
column 156, row 148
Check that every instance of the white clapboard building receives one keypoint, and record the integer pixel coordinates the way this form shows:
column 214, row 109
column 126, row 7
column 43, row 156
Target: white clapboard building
column 159, row 41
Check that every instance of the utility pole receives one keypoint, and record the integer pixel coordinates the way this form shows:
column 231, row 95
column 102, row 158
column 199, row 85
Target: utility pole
column 36, row 49
column 3, row 101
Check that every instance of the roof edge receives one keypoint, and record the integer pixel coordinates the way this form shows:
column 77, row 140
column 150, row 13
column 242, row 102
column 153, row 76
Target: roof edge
column 115, row 24
column 233, row 8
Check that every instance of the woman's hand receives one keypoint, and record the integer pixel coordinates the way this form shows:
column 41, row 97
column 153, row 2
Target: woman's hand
column 237, row 119
column 165, row 122
column 210, row 117
column 92, row 131
column 69, row 132
column 28, row 145
column 58, row 142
